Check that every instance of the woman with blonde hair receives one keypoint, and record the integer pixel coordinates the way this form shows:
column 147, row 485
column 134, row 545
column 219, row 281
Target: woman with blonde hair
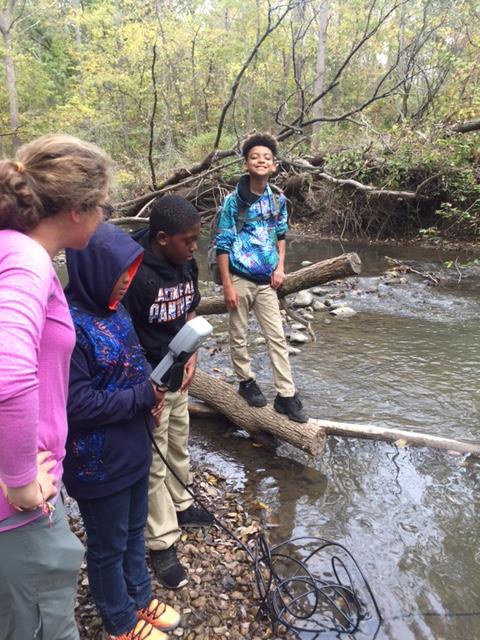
column 52, row 197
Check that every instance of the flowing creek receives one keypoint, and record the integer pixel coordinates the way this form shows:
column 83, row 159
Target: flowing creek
column 409, row 359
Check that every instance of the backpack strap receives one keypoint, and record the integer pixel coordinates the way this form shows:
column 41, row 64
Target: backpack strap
column 242, row 211
column 276, row 204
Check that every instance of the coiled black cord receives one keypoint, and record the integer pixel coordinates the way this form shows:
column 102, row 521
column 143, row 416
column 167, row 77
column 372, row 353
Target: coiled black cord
column 325, row 591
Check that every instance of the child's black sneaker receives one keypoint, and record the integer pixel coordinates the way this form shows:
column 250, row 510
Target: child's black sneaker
column 194, row 517
column 167, row 568
column 290, row 406
column 250, row 390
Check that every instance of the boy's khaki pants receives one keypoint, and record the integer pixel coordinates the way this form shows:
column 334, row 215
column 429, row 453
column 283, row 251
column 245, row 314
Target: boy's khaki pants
column 264, row 302
column 166, row 496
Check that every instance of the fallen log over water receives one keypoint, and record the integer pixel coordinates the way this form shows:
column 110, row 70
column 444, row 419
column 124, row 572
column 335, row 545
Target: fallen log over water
column 310, row 436
column 220, row 395
column 347, row 264
column 402, row 437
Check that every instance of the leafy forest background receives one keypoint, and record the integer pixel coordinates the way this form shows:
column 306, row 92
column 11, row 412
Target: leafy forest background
column 376, row 102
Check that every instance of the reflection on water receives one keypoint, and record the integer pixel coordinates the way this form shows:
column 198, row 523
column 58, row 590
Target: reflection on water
column 408, row 516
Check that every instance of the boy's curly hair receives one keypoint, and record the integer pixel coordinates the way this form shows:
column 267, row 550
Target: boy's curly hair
column 260, row 140
column 172, row 214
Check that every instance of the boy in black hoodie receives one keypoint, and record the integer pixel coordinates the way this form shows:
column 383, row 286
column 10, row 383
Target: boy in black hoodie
column 161, row 298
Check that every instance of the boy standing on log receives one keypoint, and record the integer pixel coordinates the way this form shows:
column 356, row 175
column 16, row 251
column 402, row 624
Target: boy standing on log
column 161, row 298
column 250, row 246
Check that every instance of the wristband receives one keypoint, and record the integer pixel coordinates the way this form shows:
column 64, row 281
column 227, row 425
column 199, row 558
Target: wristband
column 47, row 508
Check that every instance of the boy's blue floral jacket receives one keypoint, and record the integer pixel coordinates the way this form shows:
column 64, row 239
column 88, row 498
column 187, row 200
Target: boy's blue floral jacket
column 253, row 253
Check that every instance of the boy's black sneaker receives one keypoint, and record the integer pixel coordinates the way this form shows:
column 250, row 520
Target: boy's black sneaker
column 194, row 517
column 290, row 406
column 250, row 390
column 167, row 568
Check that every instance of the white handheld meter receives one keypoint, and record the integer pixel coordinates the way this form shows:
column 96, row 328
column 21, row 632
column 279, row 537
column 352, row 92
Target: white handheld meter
column 169, row 371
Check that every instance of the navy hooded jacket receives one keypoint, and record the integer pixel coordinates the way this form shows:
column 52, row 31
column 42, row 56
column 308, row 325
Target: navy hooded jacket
column 110, row 395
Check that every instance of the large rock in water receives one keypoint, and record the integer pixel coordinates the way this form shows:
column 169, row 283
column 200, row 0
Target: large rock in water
column 298, row 337
column 343, row 312
column 303, row 299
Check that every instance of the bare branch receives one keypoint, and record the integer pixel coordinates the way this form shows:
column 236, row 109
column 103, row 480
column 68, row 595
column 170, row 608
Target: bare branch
column 152, row 118
column 233, row 91
column 373, row 191
column 368, row 33
column 466, row 127
column 180, row 178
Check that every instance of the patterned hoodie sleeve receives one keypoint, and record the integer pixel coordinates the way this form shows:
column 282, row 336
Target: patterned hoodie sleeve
column 282, row 221
column 226, row 230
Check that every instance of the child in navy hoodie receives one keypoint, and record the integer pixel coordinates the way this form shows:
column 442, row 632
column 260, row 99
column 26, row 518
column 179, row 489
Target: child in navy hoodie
column 108, row 455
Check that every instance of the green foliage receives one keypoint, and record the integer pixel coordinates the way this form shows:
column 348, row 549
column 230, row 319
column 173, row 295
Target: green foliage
column 88, row 71
column 197, row 147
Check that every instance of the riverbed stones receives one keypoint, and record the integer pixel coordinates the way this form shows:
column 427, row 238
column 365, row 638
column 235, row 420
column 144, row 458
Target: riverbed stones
column 293, row 351
column 319, row 306
column 297, row 337
column 259, row 340
column 343, row 312
column 214, row 609
column 298, row 326
column 306, row 263
column 303, row 299
column 320, row 291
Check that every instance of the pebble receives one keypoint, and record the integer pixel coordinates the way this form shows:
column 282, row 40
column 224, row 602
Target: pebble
column 258, row 341
column 320, row 291
column 298, row 326
column 343, row 312
column 306, row 263
column 319, row 306
column 303, row 299
column 296, row 336
column 293, row 351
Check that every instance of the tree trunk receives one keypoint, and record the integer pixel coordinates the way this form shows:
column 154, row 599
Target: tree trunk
column 309, row 436
column 347, row 264
column 220, row 395
column 6, row 23
column 466, row 127
column 317, row 110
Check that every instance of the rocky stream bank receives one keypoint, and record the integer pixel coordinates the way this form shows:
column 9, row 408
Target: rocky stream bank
column 221, row 599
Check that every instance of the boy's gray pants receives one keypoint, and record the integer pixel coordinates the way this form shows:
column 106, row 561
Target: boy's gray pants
column 264, row 302
column 39, row 567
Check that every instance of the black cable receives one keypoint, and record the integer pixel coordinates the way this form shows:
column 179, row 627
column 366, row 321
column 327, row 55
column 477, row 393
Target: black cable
column 302, row 600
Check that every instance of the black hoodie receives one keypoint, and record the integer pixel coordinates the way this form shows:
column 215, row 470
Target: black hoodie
column 159, row 299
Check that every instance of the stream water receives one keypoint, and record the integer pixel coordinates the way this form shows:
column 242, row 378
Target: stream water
column 409, row 359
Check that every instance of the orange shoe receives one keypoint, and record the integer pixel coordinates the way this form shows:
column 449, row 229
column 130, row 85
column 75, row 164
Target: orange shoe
column 142, row 631
column 160, row 615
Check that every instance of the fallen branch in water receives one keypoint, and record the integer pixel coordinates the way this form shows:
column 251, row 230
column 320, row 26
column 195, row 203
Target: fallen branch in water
column 402, row 437
column 407, row 269
column 309, row 436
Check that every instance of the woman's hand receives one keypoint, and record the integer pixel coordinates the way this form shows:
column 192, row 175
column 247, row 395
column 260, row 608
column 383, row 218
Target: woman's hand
column 43, row 488
column 45, row 479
